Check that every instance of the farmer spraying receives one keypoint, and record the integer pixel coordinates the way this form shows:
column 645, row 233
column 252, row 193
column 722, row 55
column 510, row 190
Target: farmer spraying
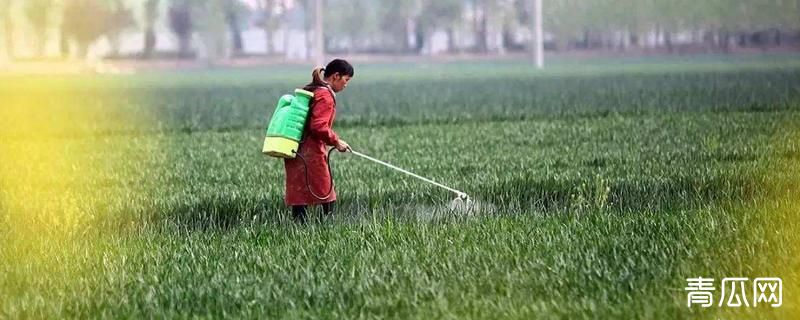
column 308, row 179
column 300, row 131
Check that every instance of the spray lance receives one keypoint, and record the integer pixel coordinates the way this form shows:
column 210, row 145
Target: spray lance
column 461, row 196
column 285, row 131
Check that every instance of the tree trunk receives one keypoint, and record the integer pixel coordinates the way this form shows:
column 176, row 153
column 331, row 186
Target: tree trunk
column 113, row 41
column 451, row 41
column 236, row 35
column 742, row 39
column 267, row 7
column 484, row 34
column 623, row 40
column 586, row 38
column 184, row 46
column 406, row 34
column 633, row 39
column 657, row 37
column 506, row 38
column 149, row 43
column 8, row 34
column 481, row 26
column 351, row 47
column 709, row 41
column 83, row 50
column 63, row 42
column 724, row 41
column 41, row 41
column 238, row 43
column 668, row 41
column 268, row 40
column 419, row 37
column 151, row 13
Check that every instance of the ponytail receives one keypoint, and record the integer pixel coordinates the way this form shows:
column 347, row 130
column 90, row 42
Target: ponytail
column 317, row 79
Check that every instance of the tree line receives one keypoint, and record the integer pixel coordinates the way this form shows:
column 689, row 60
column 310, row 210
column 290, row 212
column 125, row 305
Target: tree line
column 405, row 26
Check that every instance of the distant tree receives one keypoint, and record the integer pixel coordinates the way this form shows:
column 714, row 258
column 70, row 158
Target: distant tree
column 235, row 16
column 398, row 19
column 84, row 22
column 150, row 17
column 38, row 14
column 118, row 19
column 268, row 20
column 211, row 21
column 480, row 25
column 181, row 24
column 492, row 14
column 341, row 26
column 439, row 14
column 63, row 38
column 620, row 23
column 8, row 28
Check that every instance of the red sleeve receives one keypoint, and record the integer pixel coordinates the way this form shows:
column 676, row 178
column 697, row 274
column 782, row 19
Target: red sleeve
column 322, row 111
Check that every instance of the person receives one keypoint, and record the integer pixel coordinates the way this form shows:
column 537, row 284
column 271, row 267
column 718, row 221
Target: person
column 308, row 177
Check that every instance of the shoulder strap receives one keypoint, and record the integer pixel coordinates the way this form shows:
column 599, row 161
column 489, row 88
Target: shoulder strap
column 312, row 89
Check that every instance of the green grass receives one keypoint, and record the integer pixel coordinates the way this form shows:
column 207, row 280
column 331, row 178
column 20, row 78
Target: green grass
column 147, row 196
column 452, row 93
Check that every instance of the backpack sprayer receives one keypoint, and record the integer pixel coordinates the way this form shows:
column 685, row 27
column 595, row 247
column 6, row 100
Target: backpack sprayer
column 285, row 131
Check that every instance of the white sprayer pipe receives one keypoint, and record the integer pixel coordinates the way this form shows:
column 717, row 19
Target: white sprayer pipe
column 459, row 193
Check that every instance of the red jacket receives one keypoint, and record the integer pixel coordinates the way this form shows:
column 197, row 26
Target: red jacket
column 317, row 136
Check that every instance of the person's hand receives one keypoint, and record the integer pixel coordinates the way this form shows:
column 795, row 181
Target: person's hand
column 342, row 146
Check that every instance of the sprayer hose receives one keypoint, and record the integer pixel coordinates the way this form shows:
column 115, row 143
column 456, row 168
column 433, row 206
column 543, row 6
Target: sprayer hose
column 330, row 174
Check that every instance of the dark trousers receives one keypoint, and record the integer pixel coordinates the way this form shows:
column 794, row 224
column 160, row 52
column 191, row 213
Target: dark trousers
column 299, row 212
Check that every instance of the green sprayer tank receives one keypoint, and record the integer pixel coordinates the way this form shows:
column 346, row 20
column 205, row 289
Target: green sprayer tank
column 286, row 127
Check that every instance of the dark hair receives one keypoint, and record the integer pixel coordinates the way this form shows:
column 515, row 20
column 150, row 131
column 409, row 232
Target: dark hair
column 340, row 66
